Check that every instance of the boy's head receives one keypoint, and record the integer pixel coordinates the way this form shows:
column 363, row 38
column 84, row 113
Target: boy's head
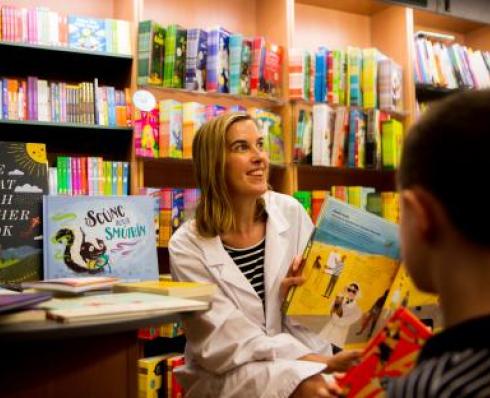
column 443, row 169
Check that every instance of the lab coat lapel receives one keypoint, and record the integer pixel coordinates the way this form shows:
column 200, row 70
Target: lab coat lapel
column 276, row 244
column 231, row 279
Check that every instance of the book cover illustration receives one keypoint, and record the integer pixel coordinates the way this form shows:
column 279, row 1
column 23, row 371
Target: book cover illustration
column 349, row 265
column 23, row 180
column 86, row 33
column 392, row 353
column 103, row 236
column 404, row 293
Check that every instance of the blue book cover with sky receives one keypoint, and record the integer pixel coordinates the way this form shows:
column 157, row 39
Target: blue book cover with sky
column 87, row 33
column 103, row 236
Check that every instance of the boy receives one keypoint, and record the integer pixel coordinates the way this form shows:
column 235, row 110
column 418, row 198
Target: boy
column 445, row 241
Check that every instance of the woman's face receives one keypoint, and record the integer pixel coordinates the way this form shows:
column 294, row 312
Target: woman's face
column 246, row 162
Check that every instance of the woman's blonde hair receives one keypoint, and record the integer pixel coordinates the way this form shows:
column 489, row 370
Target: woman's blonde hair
column 214, row 212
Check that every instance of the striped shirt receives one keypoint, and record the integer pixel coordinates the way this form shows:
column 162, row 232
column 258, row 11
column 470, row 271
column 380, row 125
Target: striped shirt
column 250, row 261
column 452, row 364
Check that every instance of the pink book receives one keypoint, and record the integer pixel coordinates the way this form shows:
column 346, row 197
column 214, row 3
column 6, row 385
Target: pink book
column 258, row 47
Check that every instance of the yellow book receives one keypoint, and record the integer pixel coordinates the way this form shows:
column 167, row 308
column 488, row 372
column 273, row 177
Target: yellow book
column 203, row 291
column 370, row 77
column 151, row 371
column 348, row 265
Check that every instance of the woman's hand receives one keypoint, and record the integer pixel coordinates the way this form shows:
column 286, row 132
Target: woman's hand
column 339, row 362
column 343, row 360
column 293, row 278
column 316, row 387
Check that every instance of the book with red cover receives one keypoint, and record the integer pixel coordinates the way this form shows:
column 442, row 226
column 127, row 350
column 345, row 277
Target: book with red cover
column 391, row 353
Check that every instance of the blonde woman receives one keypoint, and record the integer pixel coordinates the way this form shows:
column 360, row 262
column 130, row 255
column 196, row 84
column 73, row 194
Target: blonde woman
column 245, row 239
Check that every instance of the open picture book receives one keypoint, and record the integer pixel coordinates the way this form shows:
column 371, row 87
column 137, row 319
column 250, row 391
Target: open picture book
column 391, row 353
column 350, row 264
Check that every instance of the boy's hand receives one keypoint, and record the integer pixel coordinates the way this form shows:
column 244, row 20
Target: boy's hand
column 316, row 387
column 293, row 278
column 342, row 361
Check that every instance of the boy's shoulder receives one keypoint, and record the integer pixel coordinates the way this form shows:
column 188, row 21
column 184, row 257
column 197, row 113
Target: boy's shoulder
column 453, row 363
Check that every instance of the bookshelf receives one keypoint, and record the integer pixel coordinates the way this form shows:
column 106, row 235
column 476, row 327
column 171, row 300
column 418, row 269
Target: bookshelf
column 472, row 34
column 69, row 65
column 336, row 25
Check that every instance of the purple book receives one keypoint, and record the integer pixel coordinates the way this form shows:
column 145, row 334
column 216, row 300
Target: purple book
column 18, row 301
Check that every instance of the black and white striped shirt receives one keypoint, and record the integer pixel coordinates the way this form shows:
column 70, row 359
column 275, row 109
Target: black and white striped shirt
column 452, row 364
column 250, row 261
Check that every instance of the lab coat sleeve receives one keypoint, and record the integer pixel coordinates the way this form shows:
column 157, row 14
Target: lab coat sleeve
column 223, row 338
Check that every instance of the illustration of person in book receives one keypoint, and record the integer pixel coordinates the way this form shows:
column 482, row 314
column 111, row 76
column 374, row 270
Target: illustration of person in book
column 316, row 275
column 335, row 265
column 344, row 313
column 370, row 318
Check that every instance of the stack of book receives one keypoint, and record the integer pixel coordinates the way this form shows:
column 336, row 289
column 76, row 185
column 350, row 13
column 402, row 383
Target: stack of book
column 212, row 61
column 42, row 26
column 354, row 77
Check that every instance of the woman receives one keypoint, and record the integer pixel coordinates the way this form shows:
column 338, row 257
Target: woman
column 244, row 240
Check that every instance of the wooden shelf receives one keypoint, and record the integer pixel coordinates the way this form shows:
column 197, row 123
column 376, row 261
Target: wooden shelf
column 64, row 64
column 178, row 173
column 4, row 44
column 322, row 178
column 445, row 22
column 210, row 98
column 426, row 92
column 60, row 125
column 304, row 103
column 362, row 7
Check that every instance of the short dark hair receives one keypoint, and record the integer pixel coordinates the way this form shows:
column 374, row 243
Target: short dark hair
column 447, row 152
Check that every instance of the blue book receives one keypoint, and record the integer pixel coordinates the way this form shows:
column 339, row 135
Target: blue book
column 321, row 75
column 106, row 236
column 125, row 178
column 86, row 33
column 195, row 69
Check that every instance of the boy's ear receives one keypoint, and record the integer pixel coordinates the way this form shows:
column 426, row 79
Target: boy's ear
column 418, row 206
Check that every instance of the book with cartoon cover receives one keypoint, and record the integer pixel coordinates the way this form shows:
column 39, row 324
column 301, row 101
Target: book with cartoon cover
column 99, row 236
column 391, row 353
column 349, row 266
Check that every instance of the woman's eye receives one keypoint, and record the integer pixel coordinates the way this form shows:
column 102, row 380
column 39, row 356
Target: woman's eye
column 260, row 145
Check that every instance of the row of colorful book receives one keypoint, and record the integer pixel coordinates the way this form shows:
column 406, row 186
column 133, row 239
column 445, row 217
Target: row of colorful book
column 61, row 102
column 172, row 207
column 214, row 60
column 91, row 176
column 357, row 77
column 450, row 66
column 383, row 204
column 347, row 137
column 167, row 330
column 42, row 26
column 168, row 130
column 156, row 377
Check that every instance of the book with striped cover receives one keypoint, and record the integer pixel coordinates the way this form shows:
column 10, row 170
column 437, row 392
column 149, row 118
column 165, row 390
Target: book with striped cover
column 212, row 61
column 258, row 58
column 235, row 45
column 246, row 66
column 195, row 69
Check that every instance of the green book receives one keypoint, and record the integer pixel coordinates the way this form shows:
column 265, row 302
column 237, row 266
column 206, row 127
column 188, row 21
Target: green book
column 391, row 143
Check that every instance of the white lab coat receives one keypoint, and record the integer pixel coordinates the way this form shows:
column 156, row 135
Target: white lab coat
column 233, row 350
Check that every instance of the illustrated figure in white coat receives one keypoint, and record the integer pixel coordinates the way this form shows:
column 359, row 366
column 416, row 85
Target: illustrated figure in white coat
column 344, row 313
column 247, row 241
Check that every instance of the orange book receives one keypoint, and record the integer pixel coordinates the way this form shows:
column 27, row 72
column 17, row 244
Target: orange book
column 391, row 353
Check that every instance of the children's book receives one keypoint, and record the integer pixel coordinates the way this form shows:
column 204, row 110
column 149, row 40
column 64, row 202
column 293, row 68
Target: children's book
column 349, row 265
column 18, row 301
column 74, row 285
column 196, row 290
column 118, row 306
column 23, row 180
column 391, row 353
column 99, row 236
